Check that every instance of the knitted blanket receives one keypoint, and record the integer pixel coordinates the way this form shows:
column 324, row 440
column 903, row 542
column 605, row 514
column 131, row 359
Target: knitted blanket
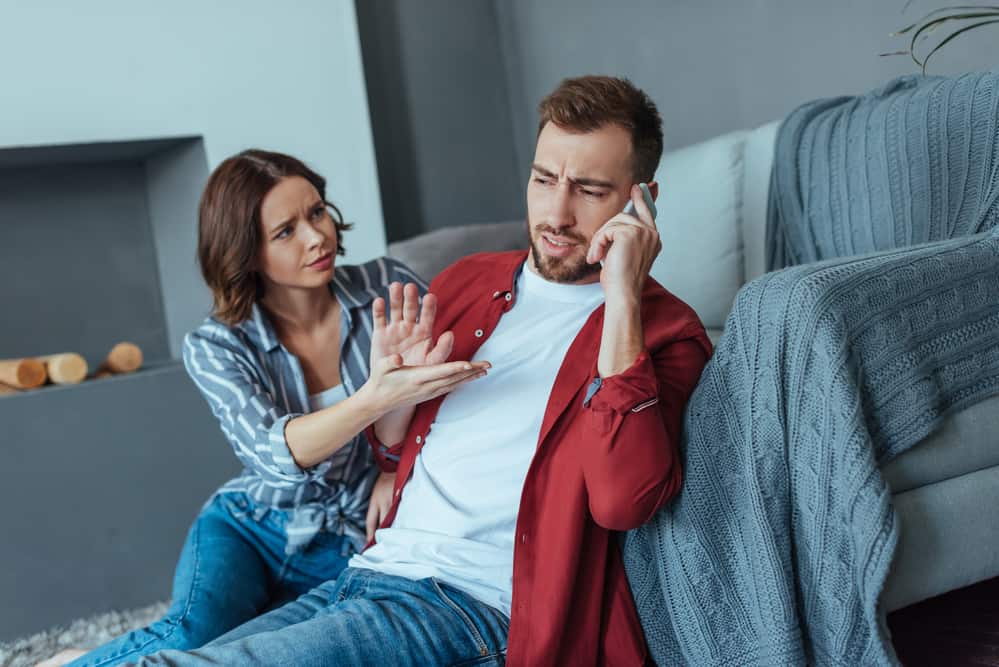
column 916, row 160
column 776, row 550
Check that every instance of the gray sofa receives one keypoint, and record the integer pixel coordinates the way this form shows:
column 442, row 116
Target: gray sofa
column 712, row 220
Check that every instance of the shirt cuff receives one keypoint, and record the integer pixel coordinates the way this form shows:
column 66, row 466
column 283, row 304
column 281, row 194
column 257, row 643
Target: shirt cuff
column 632, row 390
column 380, row 449
column 280, row 453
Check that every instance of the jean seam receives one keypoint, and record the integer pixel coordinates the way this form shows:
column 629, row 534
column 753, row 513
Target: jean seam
column 483, row 649
column 184, row 612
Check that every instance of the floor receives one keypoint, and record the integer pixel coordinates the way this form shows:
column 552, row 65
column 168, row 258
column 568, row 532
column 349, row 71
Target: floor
column 957, row 629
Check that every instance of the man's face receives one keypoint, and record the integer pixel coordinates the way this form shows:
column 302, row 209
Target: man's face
column 578, row 182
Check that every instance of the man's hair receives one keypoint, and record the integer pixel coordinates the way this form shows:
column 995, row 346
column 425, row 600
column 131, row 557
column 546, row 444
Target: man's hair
column 587, row 103
column 229, row 235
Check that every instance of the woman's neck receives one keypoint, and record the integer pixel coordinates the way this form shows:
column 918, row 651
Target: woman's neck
column 298, row 310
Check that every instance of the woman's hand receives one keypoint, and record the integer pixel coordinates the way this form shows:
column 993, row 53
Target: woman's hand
column 404, row 333
column 380, row 502
column 393, row 385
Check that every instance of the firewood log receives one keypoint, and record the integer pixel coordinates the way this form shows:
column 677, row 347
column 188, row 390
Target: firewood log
column 123, row 358
column 22, row 373
column 65, row 368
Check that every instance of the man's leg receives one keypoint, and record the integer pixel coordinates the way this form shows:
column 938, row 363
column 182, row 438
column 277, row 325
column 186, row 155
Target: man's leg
column 368, row 619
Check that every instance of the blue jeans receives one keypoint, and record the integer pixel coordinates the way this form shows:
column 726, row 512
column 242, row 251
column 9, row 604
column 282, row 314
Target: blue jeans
column 363, row 618
column 232, row 568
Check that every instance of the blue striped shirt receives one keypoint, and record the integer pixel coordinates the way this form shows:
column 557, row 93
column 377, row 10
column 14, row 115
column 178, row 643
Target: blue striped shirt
column 254, row 386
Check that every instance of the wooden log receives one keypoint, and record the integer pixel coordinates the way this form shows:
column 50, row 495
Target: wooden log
column 22, row 373
column 123, row 358
column 65, row 368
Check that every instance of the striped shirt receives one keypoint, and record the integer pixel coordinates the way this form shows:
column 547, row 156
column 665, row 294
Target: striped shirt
column 254, row 386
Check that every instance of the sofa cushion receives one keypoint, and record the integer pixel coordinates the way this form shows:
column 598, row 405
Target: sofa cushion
column 758, row 160
column 700, row 197
column 966, row 441
column 429, row 254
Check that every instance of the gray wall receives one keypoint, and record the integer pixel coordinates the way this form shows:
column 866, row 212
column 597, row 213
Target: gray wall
column 440, row 111
column 99, row 485
column 711, row 66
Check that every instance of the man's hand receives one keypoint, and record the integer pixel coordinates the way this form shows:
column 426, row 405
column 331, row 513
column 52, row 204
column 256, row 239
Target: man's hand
column 628, row 246
column 404, row 334
column 380, row 502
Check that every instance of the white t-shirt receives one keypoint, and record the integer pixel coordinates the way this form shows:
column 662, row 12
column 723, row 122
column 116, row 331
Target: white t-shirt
column 458, row 512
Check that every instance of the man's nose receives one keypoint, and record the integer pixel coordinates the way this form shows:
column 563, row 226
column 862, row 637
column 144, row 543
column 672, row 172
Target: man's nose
column 561, row 212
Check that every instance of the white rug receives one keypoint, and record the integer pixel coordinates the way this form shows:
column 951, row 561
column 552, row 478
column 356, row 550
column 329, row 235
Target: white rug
column 84, row 633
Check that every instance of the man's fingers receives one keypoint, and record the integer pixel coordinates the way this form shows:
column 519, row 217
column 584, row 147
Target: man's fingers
column 395, row 301
column 371, row 520
column 410, row 302
column 598, row 245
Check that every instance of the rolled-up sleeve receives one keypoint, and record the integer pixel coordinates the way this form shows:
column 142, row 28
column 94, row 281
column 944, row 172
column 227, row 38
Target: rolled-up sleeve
column 247, row 413
column 631, row 463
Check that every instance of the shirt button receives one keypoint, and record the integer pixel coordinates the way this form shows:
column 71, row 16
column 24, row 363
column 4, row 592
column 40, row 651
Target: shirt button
column 419, row 439
column 495, row 294
column 509, row 296
column 398, row 492
column 478, row 333
column 523, row 538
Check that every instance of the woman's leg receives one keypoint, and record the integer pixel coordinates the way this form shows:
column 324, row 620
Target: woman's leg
column 224, row 578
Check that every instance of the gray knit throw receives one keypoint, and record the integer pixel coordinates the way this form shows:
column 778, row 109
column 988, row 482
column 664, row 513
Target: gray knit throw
column 916, row 160
column 776, row 550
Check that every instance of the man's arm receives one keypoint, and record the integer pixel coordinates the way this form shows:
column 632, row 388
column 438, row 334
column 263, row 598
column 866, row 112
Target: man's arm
column 632, row 464
column 631, row 460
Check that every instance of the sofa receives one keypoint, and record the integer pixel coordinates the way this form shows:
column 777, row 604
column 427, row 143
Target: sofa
column 712, row 218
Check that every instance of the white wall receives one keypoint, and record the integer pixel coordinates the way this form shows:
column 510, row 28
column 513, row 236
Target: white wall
column 242, row 73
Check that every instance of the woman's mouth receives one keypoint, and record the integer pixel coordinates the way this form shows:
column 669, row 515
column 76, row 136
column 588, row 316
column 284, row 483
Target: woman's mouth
column 323, row 263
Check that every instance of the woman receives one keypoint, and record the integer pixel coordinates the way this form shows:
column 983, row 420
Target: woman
column 284, row 363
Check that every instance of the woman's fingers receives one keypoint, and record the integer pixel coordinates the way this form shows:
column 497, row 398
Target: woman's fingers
column 429, row 311
column 395, row 302
column 378, row 313
column 442, row 350
column 411, row 302
column 448, row 385
column 428, row 374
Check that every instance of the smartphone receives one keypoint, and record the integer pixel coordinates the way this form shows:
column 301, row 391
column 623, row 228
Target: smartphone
column 647, row 196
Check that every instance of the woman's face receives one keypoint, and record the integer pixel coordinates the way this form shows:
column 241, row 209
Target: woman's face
column 299, row 237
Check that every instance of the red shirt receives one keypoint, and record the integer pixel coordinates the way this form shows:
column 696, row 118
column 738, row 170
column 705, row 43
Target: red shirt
column 605, row 466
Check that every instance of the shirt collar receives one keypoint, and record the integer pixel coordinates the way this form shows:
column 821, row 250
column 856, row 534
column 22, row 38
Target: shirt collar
column 344, row 286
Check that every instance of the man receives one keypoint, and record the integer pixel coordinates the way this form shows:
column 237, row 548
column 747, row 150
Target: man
column 499, row 542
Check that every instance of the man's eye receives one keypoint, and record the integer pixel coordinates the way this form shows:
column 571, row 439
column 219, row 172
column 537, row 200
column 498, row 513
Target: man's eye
column 593, row 193
column 542, row 180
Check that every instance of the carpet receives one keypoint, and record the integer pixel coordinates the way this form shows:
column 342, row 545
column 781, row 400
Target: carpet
column 83, row 633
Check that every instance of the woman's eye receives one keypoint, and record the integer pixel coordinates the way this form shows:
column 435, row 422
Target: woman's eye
column 284, row 233
column 318, row 213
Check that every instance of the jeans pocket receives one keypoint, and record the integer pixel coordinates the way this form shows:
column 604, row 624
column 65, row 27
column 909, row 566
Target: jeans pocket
column 486, row 655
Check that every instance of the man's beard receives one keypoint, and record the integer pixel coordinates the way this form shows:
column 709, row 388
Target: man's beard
column 572, row 269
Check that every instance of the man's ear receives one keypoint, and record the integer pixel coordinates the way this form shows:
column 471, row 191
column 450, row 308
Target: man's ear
column 653, row 190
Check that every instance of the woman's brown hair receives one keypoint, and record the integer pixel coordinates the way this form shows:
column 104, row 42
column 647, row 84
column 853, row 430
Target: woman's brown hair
column 229, row 237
